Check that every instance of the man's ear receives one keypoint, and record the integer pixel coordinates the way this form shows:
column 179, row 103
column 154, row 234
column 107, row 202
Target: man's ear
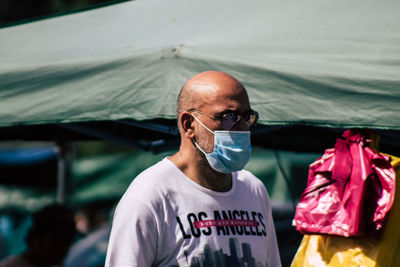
column 186, row 121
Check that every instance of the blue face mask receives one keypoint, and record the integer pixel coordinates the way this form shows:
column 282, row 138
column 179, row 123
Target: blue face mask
column 231, row 152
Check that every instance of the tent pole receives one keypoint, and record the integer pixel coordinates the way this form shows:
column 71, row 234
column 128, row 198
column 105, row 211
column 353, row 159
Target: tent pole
column 64, row 159
column 60, row 174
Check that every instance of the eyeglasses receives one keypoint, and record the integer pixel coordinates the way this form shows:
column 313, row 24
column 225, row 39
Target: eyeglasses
column 230, row 118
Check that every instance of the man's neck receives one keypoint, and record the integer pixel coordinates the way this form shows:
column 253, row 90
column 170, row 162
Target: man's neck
column 196, row 168
column 213, row 180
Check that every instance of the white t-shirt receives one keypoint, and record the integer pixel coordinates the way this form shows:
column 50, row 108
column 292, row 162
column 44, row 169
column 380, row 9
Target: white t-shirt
column 166, row 219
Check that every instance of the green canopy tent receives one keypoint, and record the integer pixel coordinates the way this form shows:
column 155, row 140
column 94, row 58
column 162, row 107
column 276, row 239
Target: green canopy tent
column 311, row 68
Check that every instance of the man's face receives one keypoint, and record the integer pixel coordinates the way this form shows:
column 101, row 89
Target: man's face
column 223, row 98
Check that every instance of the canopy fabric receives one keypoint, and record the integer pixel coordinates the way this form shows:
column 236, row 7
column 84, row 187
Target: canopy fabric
column 319, row 63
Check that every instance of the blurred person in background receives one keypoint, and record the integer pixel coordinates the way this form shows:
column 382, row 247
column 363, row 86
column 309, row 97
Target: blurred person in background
column 48, row 240
column 93, row 223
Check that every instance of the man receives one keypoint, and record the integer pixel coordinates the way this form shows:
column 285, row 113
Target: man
column 198, row 207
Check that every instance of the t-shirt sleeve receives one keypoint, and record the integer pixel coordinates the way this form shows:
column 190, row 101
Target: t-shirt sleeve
column 272, row 247
column 273, row 251
column 133, row 239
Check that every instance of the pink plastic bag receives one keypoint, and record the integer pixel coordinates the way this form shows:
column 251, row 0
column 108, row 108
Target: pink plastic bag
column 350, row 190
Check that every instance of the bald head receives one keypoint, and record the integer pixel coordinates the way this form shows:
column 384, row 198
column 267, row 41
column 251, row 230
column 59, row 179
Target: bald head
column 205, row 88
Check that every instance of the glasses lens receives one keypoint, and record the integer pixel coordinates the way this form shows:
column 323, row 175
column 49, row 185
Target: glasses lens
column 251, row 118
column 229, row 120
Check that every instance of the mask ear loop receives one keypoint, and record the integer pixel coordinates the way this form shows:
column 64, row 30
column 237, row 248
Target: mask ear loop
column 201, row 123
column 195, row 143
column 199, row 148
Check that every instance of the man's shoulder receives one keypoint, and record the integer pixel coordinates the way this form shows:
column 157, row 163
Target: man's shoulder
column 249, row 180
column 162, row 168
column 248, row 177
column 153, row 178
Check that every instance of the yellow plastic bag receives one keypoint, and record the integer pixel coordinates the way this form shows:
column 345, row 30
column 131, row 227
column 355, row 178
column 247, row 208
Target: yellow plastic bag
column 336, row 251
